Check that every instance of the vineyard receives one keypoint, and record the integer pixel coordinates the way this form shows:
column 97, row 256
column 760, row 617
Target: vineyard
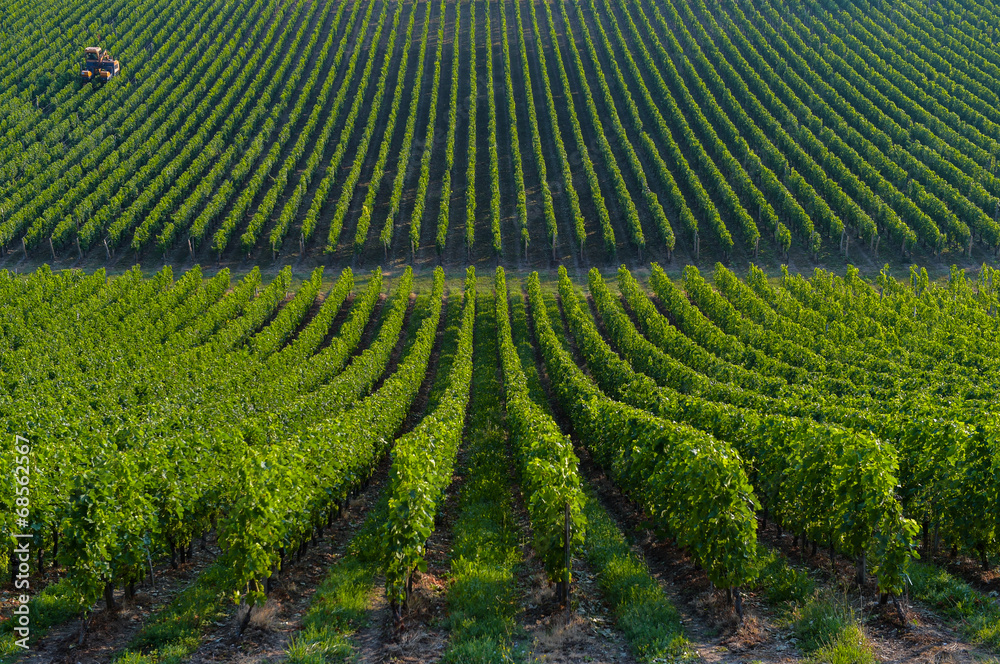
column 500, row 331
column 584, row 132
column 483, row 428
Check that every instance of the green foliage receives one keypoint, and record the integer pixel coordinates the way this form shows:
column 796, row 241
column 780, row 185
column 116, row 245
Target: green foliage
column 449, row 152
column 780, row 581
column 977, row 613
column 548, row 466
column 422, row 464
column 347, row 192
column 692, row 484
column 288, row 490
column 420, row 198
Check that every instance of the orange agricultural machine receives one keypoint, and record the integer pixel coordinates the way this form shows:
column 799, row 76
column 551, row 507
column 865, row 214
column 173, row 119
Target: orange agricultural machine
column 98, row 65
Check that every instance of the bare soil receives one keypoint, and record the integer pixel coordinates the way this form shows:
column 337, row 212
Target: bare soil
column 270, row 630
column 108, row 632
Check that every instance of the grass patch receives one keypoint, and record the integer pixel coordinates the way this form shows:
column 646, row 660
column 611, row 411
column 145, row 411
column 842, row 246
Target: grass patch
column 485, row 549
column 55, row 605
column 828, row 632
column 176, row 631
column 340, row 606
column 781, row 583
column 977, row 614
column 850, row 647
column 643, row 613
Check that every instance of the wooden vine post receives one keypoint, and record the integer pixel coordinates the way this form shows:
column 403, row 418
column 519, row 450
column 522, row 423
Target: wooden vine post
column 567, row 559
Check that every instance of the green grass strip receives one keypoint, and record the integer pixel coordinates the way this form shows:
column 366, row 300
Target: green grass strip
column 482, row 599
column 176, row 631
column 643, row 613
column 340, row 606
column 828, row 632
column 978, row 614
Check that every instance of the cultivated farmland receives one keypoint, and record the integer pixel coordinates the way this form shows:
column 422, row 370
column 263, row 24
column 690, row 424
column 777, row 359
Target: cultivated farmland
column 499, row 331
column 458, row 459
column 583, row 132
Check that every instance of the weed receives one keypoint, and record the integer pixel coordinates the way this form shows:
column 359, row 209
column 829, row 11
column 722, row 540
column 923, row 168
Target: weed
column 978, row 613
column 828, row 631
column 780, row 581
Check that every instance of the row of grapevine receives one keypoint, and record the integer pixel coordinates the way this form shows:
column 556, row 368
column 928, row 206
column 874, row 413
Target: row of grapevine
column 314, row 160
column 869, row 96
column 422, row 463
column 216, row 196
column 374, row 184
column 672, row 340
column 634, row 228
column 175, row 205
column 831, row 484
column 156, row 171
column 26, row 122
column 515, row 142
column 551, row 228
column 295, row 487
column 153, row 189
column 268, row 203
column 674, row 196
column 940, row 457
column 550, row 479
column 708, row 170
column 48, row 185
column 255, row 225
column 491, row 140
column 876, row 145
column 417, row 216
column 808, row 173
column 851, row 147
column 406, row 149
column 141, row 158
column 791, row 117
column 288, row 319
column 820, row 142
column 308, row 339
column 319, row 200
column 356, row 379
column 473, row 108
column 111, row 477
column 704, row 499
column 441, row 228
column 579, row 229
column 622, row 194
column 746, row 142
column 593, row 182
column 86, row 191
column 361, row 153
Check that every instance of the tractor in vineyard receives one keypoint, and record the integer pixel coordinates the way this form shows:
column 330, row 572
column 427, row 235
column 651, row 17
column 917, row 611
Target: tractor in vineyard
column 98, row 65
